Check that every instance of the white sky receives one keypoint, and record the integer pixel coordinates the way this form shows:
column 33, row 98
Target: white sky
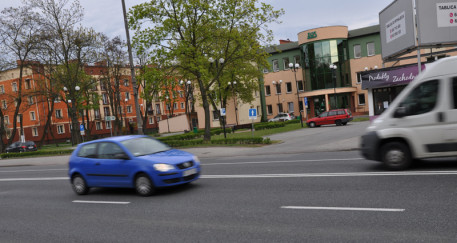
column 300, row 15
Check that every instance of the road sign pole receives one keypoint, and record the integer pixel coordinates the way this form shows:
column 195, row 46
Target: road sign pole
column 111, row 127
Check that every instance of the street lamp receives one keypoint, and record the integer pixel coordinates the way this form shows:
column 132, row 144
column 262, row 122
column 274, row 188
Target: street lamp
column 233, row 85
column 333, row 68
column 294, row 69
column 278, row 92
column 71, row 107
column 221, row 62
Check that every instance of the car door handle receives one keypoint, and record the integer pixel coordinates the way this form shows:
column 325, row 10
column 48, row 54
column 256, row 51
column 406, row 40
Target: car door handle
column 440, row 117
column 98, row 163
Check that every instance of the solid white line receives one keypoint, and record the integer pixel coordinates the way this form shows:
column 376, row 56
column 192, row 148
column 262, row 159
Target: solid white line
column 36, row 179
column 346, row 209
column 100, row 202
column 16, row 171
column 281, row 161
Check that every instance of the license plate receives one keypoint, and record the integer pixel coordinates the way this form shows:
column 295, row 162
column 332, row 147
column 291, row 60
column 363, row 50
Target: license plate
column 189, row 172
column 30, row 147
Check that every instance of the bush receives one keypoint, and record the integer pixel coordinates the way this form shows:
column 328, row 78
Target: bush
column 255, row 140
column 37, row 153
column 268, row 125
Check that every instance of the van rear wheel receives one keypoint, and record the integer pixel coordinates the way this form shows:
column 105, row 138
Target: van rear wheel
column 396, row 156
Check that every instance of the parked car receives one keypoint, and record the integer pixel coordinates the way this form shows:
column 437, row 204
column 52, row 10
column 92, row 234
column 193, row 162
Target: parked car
column 338, row 117
column 420, row 123
column 135, row 161
column 19, row 147
column 281, row 117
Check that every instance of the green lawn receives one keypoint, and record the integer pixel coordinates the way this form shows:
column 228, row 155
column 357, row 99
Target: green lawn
column 261, row 133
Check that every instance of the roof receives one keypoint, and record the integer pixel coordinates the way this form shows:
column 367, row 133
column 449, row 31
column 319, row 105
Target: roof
column 374, row 29
column 283, row 47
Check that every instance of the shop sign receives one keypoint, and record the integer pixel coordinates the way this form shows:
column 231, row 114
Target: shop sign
column 389, row 77
column 447, row 14
column 312, row 35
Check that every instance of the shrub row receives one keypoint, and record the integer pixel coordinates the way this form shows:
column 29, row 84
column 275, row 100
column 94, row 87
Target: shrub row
column 255, row 140
column 36, row 153
column 268, row 125
column 191, row 135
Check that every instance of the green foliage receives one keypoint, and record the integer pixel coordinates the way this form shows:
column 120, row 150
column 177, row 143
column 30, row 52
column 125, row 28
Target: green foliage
column 37, row 153
column 228, row 141
column 268, row 125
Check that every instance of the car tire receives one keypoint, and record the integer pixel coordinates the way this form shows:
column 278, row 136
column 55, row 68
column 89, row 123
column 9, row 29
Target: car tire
column 396, row 156
column 79, row 185
column 143, row 185
column 344, row 123
column 312, row 124
column 338, row 122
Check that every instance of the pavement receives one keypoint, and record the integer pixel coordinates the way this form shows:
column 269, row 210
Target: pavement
column 323, row 139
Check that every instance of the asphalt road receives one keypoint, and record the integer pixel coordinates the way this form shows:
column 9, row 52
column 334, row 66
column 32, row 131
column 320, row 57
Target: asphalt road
column 285, row 196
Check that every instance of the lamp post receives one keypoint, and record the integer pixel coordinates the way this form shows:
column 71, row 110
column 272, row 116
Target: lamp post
column 187, row 93
column 221, row 62
column 278, row 92
column 72, row 112
column 233, row 85
column 294, row 69
column 333, row 68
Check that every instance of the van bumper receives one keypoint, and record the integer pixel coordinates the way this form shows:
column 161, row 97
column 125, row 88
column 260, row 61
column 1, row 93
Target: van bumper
column 370, row 145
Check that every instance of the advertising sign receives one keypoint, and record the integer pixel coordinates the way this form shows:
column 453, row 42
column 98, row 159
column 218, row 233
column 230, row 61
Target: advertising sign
column 388, row 78
column 397, row 28
column 436, row 22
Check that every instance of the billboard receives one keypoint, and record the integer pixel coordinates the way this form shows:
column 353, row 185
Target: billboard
column 397, row 28
column 436, row 21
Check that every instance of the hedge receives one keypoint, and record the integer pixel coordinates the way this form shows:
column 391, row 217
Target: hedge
column 254, row 140
column 37, row 153
column 191, row 135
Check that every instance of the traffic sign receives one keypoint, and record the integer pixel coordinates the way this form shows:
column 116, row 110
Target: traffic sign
column 110, row 118
column 81, row 127
column 253, row 114
column 222, row 111
column 306, row 102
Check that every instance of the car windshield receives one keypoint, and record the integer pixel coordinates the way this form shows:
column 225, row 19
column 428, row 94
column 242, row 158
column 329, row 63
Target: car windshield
column 144, row 146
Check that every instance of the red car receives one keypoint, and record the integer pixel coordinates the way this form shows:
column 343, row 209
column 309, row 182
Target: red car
column 338, row 117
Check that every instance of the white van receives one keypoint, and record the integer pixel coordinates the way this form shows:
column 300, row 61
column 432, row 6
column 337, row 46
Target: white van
column 420, row 123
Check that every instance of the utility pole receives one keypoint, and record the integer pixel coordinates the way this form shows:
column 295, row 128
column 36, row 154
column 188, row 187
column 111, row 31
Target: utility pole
column 139, row 121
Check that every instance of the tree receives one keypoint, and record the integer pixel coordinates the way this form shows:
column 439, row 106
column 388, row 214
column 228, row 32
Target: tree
column 19, row 36
column 188, row 34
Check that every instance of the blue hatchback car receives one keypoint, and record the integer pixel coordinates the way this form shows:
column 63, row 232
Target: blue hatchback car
column 137, row 161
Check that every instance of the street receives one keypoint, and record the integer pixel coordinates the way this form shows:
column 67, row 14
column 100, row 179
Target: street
column 289, row 196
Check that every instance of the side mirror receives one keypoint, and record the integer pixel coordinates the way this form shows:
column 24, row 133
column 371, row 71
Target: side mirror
column 400, row 112
column 122, row 156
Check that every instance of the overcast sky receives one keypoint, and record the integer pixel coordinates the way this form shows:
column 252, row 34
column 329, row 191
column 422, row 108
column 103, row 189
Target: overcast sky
column 300, row 15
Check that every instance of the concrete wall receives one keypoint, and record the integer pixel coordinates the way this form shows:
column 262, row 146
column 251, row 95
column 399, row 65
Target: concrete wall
column 174, row 124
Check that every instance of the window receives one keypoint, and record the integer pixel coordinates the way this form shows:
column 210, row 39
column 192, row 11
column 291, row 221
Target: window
column 2, row 89
column 182, row 105
column 158, row 118
column 88, row 151
column 32, row 116
column 422, row 99
column 265, row 70
column 108, row 124
column 109, row 150
column 275, row 65
column 4, row 104
column 285, row 60
column 7, row 120
column 361, row 99
column 269, row 109
column 151, row 120
column 102, row 85
column 290, row 106
column 267, row 90
column 357, row 51
column 30, row 99
column 127, row 95
column 280, row 108
column 98, row 126
column 168, row 107
column 27, row 84
column 34, row 131
column 289, row 87
column 106, row 111
column 14, row 87
column 300, row 85
column 216, row 115
column 126, row 82
column 296, row 59
column 129, row 109
column 60, row 129
column 59, row 114
column 370, row 49
column 181, row 94
column 278, row 88
column 57, row 99
column 158, row 109
column 97, row 114
column 175, row 106
column 105, row 98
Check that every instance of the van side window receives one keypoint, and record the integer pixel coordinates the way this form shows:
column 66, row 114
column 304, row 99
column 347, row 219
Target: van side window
column 454, row 92
column 422, row 99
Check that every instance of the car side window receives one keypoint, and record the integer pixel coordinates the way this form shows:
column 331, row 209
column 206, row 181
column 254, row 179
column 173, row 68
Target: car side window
column 88, row 151
column 323, row 114
column 341, row 112
column 109, row 150
column 332, row 113
column 422, row 99
column 454, row 92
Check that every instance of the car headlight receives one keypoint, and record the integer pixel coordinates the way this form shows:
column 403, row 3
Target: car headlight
column 195, row 158
column 163, row 167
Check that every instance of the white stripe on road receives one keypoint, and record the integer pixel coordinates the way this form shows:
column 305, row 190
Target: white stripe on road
column 350, row 174
column 18, row 171
column 100, row 202
column 346, row 209
column 282, row 161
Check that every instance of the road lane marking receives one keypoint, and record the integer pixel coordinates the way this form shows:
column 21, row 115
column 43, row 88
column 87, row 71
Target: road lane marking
column 100, row 202
column 281, row 161
column 346, row 209
column 18, row 171
column 303, row 175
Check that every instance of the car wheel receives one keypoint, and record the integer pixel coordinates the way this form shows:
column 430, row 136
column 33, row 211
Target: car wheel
column 312, row 124
column 144, row 186
column 338, row 122
column 396, row 156
column 79, row 185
